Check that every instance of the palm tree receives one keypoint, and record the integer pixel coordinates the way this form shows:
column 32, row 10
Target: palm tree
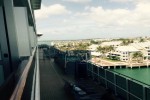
column 124, row 42
column 104, row 50
column 82, row 46
column 127, row 41
column 100, row 49
column 142, row 40
column 138, row 56
column 110, row 48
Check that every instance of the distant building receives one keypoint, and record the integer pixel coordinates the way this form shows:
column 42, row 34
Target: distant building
column 93, row 47
column 97, row 54
column 144, row 47
column 114, row 44
column 102, row 39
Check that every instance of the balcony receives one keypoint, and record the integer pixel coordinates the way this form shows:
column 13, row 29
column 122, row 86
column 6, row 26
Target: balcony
column 38, row 78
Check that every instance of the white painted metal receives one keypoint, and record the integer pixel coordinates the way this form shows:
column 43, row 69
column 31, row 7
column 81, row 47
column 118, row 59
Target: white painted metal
column 21, row 20
column 32, row 37
column 37, row 87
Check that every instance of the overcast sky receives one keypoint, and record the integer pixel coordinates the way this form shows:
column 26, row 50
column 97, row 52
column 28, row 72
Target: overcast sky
column 81, row 19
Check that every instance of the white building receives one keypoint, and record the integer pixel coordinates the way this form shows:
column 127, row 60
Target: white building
column 144, row 47
column 126, row 52
column 114, row 44
column 97, row 54
column 93, row 49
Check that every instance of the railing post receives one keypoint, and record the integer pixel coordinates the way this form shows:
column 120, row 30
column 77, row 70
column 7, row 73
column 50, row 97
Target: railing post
column 105, row 78
column 144, row 96
column 115, row 83
column 127, row 88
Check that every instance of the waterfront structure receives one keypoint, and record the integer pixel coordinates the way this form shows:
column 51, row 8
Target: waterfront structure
column 144, row 47
column 18, row 49
column 125, row 52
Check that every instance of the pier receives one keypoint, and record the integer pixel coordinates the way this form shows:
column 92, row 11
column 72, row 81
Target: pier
column 112, row 65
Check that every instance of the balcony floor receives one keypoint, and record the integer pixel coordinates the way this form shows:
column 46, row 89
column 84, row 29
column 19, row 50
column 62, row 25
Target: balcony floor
column 51, row 80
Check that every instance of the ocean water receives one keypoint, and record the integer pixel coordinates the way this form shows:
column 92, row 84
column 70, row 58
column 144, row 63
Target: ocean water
column 139, row 74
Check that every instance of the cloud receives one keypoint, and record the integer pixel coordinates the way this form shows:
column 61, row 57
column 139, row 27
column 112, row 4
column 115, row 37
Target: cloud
column 97, row 21
column 127, row 1
column 78, row 1
column 122, row 1
column 139, row 16
column 46, row 11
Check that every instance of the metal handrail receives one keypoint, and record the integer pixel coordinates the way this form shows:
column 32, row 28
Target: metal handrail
column 116, row 85
column 18, row 91
column 142, row 83
column 35, row 95
column 37, row 86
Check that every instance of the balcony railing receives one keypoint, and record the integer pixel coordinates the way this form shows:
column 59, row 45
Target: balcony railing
column 28, row 84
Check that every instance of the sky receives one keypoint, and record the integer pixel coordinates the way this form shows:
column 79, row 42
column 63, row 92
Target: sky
column 84, row 19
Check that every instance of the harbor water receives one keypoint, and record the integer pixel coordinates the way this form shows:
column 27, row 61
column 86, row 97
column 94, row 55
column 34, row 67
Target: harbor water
column 138, row 74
